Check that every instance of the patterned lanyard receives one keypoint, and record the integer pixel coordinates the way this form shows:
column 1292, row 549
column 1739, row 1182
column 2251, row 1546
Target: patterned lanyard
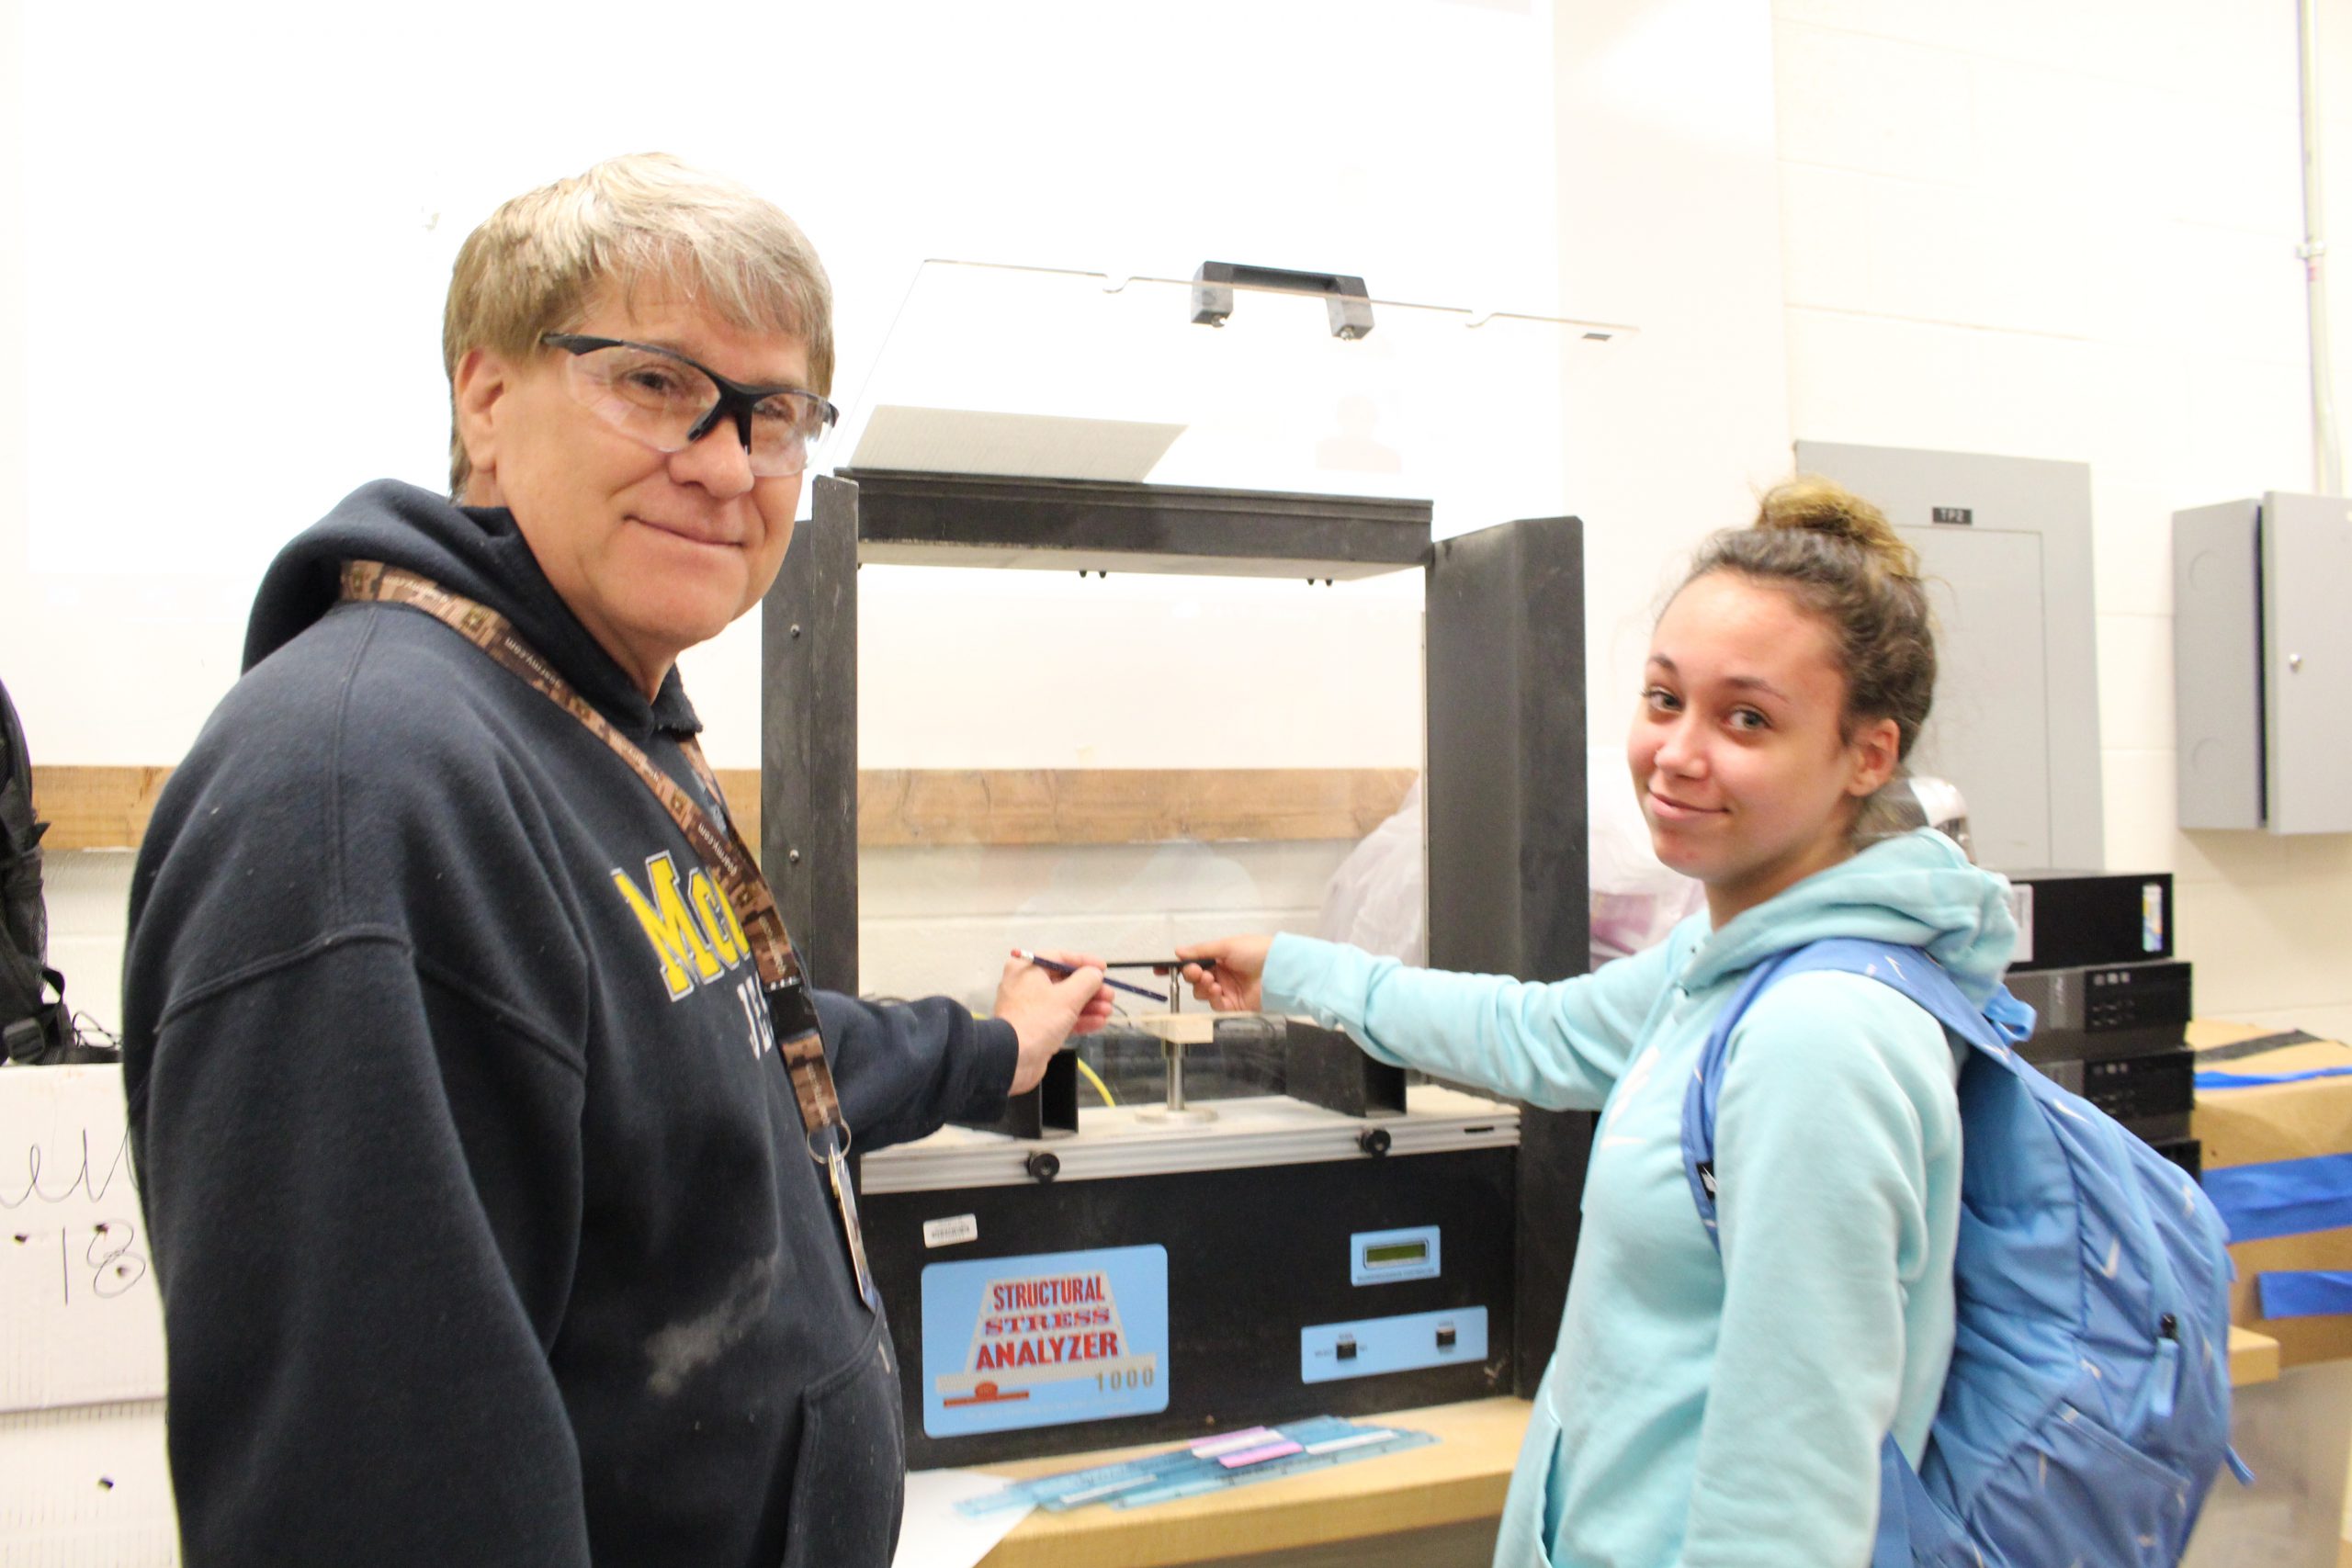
column 792, row 1014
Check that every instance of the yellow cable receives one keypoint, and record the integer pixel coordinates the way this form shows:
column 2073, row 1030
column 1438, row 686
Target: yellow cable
column 1095, row 1079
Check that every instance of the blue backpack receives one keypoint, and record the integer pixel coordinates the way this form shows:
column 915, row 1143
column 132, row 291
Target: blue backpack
column 2087, row 1407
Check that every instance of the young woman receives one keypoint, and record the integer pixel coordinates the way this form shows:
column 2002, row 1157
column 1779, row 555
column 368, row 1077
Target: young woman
column 1706, row 1409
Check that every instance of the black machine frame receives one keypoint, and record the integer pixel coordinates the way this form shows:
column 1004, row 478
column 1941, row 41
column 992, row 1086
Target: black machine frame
column 1504, row 791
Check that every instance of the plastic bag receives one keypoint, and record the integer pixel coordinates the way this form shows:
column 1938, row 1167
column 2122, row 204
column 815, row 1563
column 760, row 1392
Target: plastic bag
column 1375, row 900
column 1635, row 900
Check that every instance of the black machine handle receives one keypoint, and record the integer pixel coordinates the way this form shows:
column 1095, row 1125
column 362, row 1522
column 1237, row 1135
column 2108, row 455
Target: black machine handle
column 1345, row 298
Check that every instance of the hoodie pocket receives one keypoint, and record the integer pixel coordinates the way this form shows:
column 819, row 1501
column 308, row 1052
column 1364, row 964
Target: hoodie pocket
column 1528, row 1509
column 849, row 1485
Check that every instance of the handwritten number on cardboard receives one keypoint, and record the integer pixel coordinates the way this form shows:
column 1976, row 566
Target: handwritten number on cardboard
column 115, row 1261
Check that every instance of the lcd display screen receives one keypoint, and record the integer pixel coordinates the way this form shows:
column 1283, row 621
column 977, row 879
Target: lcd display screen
column 1396, row 1252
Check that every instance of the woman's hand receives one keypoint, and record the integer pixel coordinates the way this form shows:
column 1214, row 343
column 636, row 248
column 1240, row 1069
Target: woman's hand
column 1230, row 984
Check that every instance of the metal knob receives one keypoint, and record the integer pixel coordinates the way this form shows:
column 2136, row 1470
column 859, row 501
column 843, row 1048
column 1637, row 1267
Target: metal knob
column 1045, row 1164
column 1374, row 1141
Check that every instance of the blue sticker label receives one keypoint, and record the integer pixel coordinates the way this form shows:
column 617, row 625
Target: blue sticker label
column 1044, row 1340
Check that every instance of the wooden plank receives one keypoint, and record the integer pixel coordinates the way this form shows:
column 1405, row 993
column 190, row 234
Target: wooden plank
column 1123, row 805
column 103, row 807
column 1461, row 1478
column 96, row 808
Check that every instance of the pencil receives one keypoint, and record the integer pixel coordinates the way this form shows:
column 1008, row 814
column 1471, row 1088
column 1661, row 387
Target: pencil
column 1056, row 967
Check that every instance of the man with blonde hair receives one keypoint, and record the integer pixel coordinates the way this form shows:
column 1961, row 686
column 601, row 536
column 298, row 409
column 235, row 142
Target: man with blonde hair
column 492, row 1143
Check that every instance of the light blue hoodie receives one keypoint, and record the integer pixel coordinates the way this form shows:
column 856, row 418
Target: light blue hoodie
column 1701, row 1411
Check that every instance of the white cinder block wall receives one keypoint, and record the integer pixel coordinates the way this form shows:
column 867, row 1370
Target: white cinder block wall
column 89, row 898
column 2068, row 230
column 2062, row 231
column 1037, row 131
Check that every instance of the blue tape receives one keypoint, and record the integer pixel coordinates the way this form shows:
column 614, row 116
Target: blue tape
column 2305, row 1292
column 2284, row 1197
column 2217, row 1078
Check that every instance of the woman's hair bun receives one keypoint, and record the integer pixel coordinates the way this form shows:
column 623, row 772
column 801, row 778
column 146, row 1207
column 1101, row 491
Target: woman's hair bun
column 1823, row 506
column 1842, row 561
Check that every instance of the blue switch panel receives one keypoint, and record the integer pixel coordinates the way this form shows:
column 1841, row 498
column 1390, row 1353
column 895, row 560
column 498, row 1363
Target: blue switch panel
column 1368, row 1347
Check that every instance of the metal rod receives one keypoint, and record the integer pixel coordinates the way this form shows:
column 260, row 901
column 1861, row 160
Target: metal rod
column 2327, row 456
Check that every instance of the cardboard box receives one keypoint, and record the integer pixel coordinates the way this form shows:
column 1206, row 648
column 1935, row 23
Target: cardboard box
column 2272, row 1122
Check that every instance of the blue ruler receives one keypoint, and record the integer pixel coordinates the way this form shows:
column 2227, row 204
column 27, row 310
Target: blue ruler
column 1212, row 1464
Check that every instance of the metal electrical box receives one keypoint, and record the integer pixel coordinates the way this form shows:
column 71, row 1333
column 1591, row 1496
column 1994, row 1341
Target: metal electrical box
column 2261, row 659
column 2006, row 545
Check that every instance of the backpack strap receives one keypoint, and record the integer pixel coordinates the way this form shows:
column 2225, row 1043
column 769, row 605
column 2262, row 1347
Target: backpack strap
column 35, row 1029
column 1991, row 1030
column 34, row 1023
column 29, row 1024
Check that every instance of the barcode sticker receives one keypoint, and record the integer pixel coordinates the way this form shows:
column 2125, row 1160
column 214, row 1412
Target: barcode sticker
column 948, row 1232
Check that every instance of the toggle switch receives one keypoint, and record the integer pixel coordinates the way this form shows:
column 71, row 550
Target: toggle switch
column 1445, row 1336
column 1346, row 1348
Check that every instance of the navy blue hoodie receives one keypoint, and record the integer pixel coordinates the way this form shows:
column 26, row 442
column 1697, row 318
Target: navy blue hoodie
column 486, row 1233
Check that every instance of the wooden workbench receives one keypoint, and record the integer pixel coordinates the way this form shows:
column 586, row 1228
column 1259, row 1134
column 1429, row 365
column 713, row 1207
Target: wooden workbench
column 1459, row 1481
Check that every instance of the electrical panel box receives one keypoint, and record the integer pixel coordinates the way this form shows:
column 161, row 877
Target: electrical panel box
column 2006, row 547
column 2261, row 659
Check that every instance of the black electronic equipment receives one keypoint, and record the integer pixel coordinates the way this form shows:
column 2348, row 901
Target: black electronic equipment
column 2117, row 1034
column 2084, row 1013
column 1193, row 1260
column 2073, row 918
column 1238, row 1261
column 1071, row 1279
column 2151, row 1094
